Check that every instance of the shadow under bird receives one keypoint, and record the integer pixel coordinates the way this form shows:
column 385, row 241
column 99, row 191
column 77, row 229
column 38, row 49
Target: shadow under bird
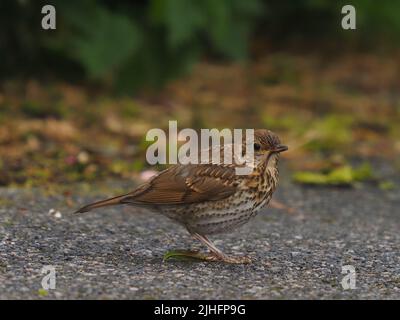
column 210, row 198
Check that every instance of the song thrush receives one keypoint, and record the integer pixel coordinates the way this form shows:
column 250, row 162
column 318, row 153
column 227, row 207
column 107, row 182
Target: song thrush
column 210, row 198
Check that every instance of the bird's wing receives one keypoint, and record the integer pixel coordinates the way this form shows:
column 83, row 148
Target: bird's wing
column 182, row 184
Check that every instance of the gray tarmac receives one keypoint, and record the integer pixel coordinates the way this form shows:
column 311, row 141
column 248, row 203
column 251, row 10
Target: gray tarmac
column 117, row 253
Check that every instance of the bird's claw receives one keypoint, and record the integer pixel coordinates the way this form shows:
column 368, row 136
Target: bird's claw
column 227, row 259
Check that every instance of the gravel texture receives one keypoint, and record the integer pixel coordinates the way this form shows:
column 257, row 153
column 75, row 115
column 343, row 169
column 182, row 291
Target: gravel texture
column 118, row 252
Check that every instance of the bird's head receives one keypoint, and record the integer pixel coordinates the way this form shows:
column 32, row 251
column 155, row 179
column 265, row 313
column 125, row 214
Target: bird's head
column 266, row 146
column 267, row 142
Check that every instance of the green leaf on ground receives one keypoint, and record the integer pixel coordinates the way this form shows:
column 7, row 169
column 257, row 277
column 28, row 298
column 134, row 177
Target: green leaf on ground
column 387, row 185
column 185, row 255
column 43, row 293
column 344, row 175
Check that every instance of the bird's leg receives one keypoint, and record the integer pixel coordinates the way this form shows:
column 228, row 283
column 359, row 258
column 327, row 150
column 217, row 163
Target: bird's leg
column 211, row 246
column 281, row 206
column 216, row 254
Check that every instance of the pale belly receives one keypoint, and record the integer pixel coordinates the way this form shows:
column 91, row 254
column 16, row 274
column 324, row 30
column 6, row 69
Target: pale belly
column 219, row 216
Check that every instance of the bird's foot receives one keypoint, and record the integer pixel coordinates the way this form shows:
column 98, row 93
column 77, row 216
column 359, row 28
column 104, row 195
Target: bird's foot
column 281, row 206
column 227, row 259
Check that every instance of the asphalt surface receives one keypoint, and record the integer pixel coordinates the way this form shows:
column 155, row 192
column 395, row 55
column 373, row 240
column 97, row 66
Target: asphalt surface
column 118, row 252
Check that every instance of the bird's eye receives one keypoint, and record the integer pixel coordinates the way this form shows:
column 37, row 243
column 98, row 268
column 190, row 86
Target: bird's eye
column 257, row 147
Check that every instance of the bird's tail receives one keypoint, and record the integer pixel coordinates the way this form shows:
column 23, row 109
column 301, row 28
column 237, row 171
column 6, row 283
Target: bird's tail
column 103, row 203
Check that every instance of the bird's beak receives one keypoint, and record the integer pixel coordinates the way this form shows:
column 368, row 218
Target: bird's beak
column 280, row 148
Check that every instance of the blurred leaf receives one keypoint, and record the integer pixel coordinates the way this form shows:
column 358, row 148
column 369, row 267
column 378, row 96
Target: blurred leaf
column 310, row 177
column 105, row 40
column 185, row 255
column 136, row 44
column 43, row 293
column 387, row 185
column 330, row 132
column 226, row 23
column 363, row 172
column 230, row 25
column 182, row 18
column 345, row 175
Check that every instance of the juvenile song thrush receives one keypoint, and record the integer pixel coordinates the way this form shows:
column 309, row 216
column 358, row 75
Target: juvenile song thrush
column 210, row 198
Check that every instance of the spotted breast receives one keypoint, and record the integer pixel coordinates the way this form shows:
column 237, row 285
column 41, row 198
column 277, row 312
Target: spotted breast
column 212, row 217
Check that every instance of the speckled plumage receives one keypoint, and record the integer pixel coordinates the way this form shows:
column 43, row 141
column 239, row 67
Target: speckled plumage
column 210, row 198
column 252, row 192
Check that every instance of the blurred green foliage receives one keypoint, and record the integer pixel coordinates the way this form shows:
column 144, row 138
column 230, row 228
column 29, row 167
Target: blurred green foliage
column 344, row 175
column 387, row 185
column 331, row 132
column 132, row 44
